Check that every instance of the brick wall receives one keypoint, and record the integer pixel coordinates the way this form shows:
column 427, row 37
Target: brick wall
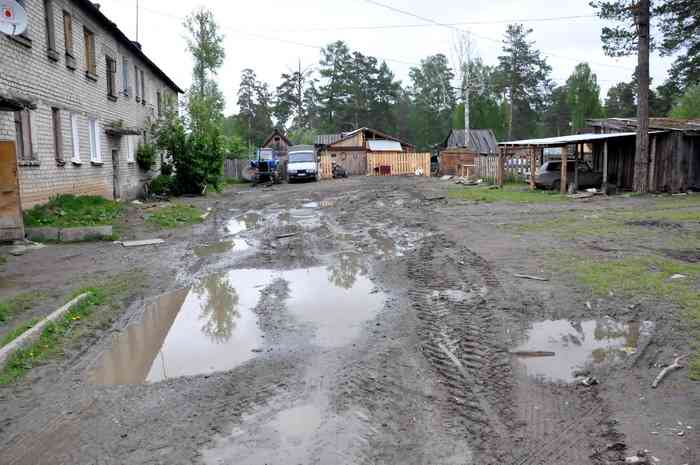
column 28, row 71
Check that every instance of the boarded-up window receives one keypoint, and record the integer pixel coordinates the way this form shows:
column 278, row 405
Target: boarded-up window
column 125, row 76
column 75, row 136
column 90, row 61
column 95, row 140
column 50, row 29
column 111, row 66
column 68, row 32
column 57, row 134
column 23, row 135
column 137, row 85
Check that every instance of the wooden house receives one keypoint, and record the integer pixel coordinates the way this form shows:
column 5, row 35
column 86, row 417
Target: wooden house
column 461, row 147
column 674, row 153
column 278, row 141
column 351, row 149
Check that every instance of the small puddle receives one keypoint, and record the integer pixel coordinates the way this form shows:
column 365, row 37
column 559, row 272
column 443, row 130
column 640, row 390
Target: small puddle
column 577, row 344
column 236, row 245
column 310, row 205
column 235, row 226
column 213, row 327
column 285, row 438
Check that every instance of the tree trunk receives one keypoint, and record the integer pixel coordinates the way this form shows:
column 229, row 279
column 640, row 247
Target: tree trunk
column 641, row 158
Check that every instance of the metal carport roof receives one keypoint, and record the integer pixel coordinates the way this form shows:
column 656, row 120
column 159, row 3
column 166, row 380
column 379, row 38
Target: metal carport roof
column 565, row 140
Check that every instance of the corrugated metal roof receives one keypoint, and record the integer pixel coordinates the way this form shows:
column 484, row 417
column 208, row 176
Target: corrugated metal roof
column 379, row 145
column 674, row 124
column 563, row 140
column 478, row 140
column 327, row 139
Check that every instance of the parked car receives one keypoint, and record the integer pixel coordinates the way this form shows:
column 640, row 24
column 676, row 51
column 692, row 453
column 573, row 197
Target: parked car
column 302, row 164
column 549, row 176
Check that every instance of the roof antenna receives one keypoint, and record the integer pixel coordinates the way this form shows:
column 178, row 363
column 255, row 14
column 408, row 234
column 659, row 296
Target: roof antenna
column 137, row 20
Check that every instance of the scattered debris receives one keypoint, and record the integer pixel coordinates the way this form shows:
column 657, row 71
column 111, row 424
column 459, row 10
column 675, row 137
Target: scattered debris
column 22, row 247
column 419, row 172
column 581, row 373
column 468, row 182
column 674, row 366
column 137, row 202
column 640, row 458
column 282, row 236
column 617, row 446
column 678, row 276
column 588, row 381
column 437, row 197
column 142, row 242
column 446, row 177
column 592, row 190
column 533, row 353
column 206, row 214
column 581, row 195
column 527, row 276
column 588, row 306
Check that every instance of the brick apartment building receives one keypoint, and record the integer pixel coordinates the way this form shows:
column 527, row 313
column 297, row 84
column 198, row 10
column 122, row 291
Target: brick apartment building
column 75, row 97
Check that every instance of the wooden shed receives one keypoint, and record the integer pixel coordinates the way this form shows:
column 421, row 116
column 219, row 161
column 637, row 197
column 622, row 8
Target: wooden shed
column 278, row 141
column 674, row 153
column 351, row 149
column 461, row 147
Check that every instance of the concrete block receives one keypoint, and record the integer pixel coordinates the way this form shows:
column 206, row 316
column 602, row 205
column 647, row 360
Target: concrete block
column 85, row 233
column 42, row 234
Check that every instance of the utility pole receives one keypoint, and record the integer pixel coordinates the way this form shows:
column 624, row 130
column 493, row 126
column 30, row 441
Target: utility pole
column 641, row 157
column 137, row 20
column 462, row 49
column 467, row 71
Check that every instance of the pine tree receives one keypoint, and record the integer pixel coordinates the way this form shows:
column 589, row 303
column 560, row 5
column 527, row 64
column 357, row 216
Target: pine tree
column 583, row 96
column 524, row 78
column 620, row 102
column 334, row 95
column 290, row 105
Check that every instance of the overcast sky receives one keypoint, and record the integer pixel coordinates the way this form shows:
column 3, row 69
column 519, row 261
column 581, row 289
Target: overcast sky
column 271, row 36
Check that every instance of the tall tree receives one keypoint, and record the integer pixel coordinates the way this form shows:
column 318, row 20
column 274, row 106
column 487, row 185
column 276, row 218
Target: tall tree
column 688, row 105
column 434, row 100
column 255, row 107
column 205, row 43
column 524, row 78
column 557, row 118
column 583, row 96
column 334, row 94
column 620, row 102
column 289, row 99
column 632, row 35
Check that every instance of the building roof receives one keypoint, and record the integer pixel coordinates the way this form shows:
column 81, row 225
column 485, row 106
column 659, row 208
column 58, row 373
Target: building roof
column 94, row 10
column 565, row 140
column 329, row 139
column 478, row 140
column 380, row 145
column 671, row 124
column 276, row 132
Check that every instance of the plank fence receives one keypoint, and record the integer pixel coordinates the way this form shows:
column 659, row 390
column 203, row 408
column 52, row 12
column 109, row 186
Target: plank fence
column 486, row 168
column 397, row 163
column 515, row 169
column 325, row 167
column 236, row 168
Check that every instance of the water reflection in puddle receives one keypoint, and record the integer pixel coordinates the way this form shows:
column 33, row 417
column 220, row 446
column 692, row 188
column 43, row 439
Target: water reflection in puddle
column 213, row 327
column 282, row 438
column 578, row 343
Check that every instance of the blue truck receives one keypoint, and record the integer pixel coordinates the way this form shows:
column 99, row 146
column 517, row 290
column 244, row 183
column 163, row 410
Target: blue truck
column 266, row 167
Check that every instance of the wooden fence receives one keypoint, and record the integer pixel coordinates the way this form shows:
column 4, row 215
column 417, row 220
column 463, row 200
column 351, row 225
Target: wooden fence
column 486, row 167
column 515, row 169
column 397, row 163
column 236, row 168
column 325, row 166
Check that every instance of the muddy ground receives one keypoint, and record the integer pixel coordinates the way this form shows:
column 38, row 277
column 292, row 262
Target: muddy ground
column 367, row 320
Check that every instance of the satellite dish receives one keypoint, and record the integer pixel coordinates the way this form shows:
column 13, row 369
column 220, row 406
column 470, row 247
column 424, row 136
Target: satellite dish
column 13, row 18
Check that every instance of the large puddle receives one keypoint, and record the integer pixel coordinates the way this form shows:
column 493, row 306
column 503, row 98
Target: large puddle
column 577, row 344
column 213, row 326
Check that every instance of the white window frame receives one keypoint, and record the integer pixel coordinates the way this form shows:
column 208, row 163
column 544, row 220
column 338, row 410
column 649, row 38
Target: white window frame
column 130, row 152
column 75, row 136
column 95, row 140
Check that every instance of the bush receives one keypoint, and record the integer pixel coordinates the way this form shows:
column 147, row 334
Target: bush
column 146, row 156
column 166, row 169
column 73, row 210
column 161, row 185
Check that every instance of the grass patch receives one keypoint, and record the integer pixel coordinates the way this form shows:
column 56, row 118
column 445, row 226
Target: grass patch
column 18, row 304
column 228, row 181
column 516, row 193
column 175, row 215
column 96, row 311
column 70, row 210
column 648, row 276
column 18, row 331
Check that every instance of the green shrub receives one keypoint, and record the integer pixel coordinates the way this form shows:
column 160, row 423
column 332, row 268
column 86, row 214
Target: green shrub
column 146, row 156
column 166, row 169
column 73, row 210
column 161, row 185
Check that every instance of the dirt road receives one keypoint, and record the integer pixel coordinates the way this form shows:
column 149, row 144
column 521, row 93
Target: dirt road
column 367, row 320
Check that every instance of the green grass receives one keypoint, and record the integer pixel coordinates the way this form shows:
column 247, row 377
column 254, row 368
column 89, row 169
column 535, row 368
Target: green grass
column 17, row 332
column 50, row 341
column 647, row 276
column 18, row 304
column 234, row 182
column 95, row 311
column 70, row 211
column 175, row 215
column 516, row 193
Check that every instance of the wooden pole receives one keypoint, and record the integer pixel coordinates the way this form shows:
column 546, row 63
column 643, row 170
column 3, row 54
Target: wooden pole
column 564, row 156
column 533, row 168
column 605, row 167
column 641, row 157
column 652, row 166
column 579, row 149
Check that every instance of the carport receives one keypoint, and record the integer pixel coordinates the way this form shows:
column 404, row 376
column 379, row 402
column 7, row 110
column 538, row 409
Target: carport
column 620, row 165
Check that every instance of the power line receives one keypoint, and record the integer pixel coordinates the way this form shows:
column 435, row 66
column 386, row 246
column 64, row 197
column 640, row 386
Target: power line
column 490, row 39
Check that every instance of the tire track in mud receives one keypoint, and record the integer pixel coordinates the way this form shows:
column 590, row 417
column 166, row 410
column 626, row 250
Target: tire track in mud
column 459, row 337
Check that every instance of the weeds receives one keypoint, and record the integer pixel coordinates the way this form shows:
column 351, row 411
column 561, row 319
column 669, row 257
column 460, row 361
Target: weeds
column 516, row 193
column 70, row 210
column 175, row 215
column 18, row 331
column 18, row 304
